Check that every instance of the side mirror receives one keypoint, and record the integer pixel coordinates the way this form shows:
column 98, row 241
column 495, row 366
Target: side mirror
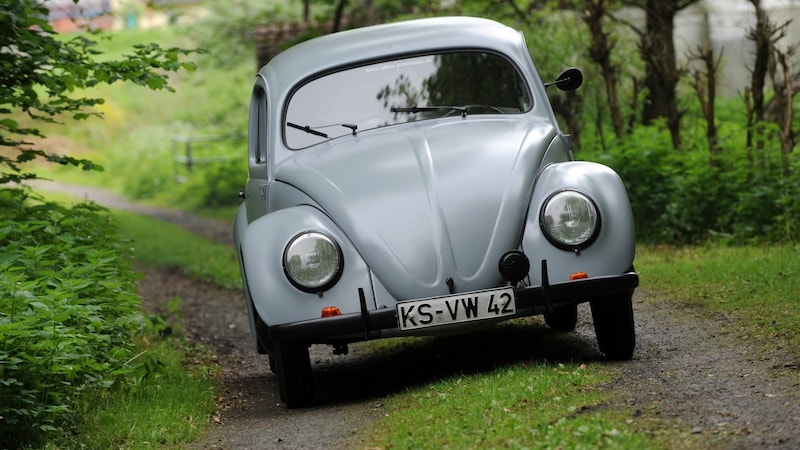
column 568, row 80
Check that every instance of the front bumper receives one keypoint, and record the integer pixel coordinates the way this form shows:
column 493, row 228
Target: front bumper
column 530, row 300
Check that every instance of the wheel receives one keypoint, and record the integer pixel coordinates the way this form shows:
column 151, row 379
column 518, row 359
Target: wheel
column 293, row 368
column 291, row 365
column 562, row 319
column 613, row 325
column 263, row 343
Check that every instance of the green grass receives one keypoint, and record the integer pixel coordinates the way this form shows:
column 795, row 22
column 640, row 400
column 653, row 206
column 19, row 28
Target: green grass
column 522, row 406
column 162, row 245
column 168, row 407
column 758, row 286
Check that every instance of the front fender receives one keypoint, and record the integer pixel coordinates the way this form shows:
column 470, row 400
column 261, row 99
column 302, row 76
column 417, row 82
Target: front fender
column 611, row 253
column 273, row 297
column 239, row 228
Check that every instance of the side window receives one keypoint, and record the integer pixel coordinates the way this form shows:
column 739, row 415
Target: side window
column 257, row 153
column 257, row 127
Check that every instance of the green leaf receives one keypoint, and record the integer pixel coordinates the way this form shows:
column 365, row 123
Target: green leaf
column 9, row 123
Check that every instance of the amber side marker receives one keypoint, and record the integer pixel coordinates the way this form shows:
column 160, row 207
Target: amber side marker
column 578, row 276
column 331, row 311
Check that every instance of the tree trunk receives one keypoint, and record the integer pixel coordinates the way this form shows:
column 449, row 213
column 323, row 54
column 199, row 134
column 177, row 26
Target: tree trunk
column 785, row 90
column 337, row 19
column 761, row 36
column 661, row 75
column 600, row 53
column 705, row 85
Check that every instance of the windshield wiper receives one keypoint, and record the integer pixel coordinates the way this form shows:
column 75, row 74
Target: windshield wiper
column 307, row 129
column 416, row 109
column 314, row 131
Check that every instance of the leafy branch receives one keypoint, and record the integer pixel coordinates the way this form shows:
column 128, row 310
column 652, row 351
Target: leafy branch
column 43, row 75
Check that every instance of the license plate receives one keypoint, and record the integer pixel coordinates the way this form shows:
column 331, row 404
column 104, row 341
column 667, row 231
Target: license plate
column 466, row 307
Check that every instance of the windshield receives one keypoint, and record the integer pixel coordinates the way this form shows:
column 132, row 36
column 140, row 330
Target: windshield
column 403, row 90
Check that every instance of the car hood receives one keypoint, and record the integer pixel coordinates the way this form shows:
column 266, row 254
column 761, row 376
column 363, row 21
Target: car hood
column 431, row 203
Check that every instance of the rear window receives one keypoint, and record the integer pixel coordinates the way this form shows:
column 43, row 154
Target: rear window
column 404, row 90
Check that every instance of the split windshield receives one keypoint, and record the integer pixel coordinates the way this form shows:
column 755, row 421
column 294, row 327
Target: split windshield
column 457, row 84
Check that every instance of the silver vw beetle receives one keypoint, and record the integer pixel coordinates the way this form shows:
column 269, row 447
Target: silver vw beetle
column 411, row 179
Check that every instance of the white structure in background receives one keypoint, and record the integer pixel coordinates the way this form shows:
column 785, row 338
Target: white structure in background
column 724, row 25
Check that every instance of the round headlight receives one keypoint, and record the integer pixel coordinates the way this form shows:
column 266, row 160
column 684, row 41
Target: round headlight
column 570, row 220
column 313, row 261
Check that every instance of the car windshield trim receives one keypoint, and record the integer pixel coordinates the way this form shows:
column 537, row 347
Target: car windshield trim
column 401, row 90
column 418, row 109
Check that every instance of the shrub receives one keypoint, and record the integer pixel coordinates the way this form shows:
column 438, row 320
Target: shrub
column 679, row 197
column 216, row 185
column 69, row 310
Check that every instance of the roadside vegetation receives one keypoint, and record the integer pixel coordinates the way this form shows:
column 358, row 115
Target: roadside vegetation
column 755, row 286
column 166, row 246
column 72, row 333
column 717, row 221
column 544, row 405
column 76, row 349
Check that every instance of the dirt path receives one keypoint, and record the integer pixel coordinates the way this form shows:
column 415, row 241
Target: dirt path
column 689, row 372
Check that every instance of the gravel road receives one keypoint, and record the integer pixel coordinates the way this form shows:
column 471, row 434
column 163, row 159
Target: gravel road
column 690, row 373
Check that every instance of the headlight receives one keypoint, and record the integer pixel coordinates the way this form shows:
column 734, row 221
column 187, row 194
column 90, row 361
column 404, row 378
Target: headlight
column 570, row 220
column 313, row 261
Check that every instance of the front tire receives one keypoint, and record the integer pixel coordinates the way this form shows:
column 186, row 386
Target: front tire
column 613, row 325
column 292, row 367
column 562, row 319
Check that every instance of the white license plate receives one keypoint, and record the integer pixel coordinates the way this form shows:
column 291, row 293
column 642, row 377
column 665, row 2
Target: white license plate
column 466, row 307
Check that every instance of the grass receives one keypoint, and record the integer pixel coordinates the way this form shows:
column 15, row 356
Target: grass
column 167, row 407
column 756, row 285
column 522, row 406
column 163, row 245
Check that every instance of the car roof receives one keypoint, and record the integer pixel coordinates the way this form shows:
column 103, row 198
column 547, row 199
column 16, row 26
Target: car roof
column 362, row 44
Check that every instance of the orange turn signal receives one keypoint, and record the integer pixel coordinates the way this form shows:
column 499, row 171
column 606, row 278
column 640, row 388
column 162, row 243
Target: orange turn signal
column 331, row 311
column 578, row 276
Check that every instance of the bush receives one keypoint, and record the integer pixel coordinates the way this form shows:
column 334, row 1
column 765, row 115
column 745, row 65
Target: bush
column 69, row 311
column 678, row 197
column 216, row 185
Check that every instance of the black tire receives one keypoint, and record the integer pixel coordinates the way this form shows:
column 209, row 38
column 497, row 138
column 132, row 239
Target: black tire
column 562, row 319
column 613, row 325
column 263, row 343
column 292, row 367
